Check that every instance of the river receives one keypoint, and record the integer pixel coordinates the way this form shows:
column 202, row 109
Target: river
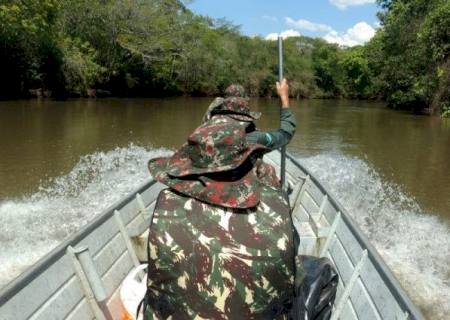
column 64, row 162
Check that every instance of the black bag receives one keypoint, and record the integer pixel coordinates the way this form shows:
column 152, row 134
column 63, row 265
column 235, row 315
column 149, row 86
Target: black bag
column 315, row 288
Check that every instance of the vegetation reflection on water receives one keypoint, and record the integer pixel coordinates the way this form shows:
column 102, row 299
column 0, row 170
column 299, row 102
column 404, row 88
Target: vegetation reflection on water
column 42, row 139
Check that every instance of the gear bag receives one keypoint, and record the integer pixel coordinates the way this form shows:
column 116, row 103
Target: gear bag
column 316, row 283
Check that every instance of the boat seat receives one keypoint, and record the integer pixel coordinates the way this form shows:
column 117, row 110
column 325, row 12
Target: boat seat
column 140, row 244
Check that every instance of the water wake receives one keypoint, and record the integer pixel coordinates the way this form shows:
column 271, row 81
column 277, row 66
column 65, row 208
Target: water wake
column 32, row 226
column 415, row 245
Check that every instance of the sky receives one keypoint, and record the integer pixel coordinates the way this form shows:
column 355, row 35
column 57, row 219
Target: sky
column 345, row 22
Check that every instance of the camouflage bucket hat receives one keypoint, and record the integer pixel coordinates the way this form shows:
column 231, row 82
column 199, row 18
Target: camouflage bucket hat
column 235, row 90
column 236, row 105
column 215, row 166
column 243, row 192
column 212, row 147
column 238, row 109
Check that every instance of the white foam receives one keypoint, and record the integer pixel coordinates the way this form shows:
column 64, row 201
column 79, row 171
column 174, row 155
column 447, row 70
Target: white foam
column 32, row 226
column 414, row 244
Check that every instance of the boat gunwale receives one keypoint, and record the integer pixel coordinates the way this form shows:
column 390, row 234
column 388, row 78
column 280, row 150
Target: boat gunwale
column 384, row 271
column 17, row 284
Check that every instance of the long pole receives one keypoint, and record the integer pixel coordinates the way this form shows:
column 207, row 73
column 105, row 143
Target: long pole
column 283, row 149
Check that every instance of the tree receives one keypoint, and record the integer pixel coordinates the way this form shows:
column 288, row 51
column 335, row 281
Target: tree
column 406, row 60
column 26, row 30
column 327, row 68
column 357, row 74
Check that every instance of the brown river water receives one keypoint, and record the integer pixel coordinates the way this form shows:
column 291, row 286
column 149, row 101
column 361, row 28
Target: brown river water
column 61, row 163
column 43, row 139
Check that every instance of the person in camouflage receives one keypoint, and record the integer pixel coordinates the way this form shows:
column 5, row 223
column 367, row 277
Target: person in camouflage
column 221, row 237
column 235, row 106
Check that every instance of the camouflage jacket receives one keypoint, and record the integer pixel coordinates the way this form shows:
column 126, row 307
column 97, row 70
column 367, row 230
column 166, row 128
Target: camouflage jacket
column 207, row 262
column 273, row 139
column 277, row 138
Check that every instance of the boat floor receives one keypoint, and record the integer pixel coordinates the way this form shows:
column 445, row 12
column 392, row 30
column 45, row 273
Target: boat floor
column 90, row 266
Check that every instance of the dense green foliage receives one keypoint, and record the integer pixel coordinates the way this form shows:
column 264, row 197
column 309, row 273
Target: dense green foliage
column 411, row 53
column 159, row 47
column 156, row 47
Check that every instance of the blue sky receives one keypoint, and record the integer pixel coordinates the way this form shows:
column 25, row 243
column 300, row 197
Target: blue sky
column 347, row 22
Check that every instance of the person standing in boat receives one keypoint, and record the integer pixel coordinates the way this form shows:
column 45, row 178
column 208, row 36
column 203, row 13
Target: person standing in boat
column 221, row 240
column 235, row 106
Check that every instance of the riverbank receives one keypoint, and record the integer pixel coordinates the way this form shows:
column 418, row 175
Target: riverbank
column 167, row 49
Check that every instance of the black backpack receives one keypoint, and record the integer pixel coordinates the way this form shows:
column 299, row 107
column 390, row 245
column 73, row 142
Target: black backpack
column 315, row 288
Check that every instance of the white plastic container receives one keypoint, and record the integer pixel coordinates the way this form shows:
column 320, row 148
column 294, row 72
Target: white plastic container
column 132, row 292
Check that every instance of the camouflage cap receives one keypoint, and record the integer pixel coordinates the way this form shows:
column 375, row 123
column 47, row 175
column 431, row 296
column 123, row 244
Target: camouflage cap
column 235, row 90
column 213, row 166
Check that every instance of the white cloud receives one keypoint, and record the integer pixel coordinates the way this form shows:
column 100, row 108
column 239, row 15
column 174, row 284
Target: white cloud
column 343, row 4
column 360, row 33
column 303, row 24
column 290, row 33
column 270, row 18
column 285, row 34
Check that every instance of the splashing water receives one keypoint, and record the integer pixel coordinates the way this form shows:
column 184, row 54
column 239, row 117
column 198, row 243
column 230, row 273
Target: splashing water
column 415, row 245
column 32, row 226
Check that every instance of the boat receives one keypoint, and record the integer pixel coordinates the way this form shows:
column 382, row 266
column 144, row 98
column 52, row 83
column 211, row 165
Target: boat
column 82, row 277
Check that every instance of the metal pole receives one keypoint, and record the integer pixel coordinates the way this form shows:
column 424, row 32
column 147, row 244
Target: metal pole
column 283, row 149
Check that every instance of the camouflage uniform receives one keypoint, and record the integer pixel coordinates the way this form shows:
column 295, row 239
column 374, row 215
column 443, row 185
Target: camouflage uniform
column 217, row 263
column 221, row 242
column 235, row 106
